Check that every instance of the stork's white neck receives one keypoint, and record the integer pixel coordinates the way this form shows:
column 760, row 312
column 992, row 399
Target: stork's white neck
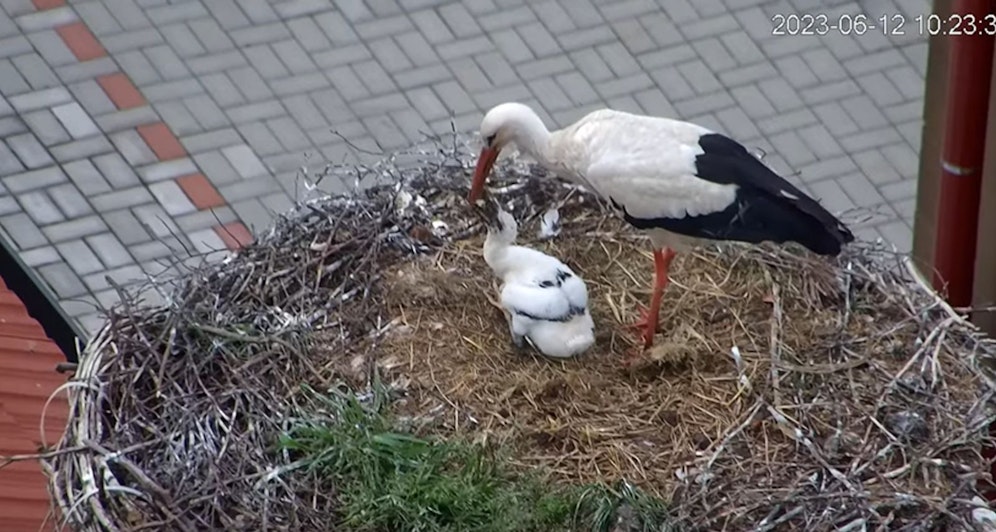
column 496, row 247
column 533, row 137
column 528, row 132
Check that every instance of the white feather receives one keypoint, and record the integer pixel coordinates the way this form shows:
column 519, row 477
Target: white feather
column 983, row 516
column 440, row 228
column 549, row 224
column 644, row 163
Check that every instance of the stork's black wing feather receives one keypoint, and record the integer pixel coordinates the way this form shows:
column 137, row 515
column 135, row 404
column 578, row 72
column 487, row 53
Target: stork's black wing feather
column 767, row 207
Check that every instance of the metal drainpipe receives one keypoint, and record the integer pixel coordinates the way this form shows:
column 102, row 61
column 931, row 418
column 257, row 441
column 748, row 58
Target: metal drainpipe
column 970, row 69
column 963, row 153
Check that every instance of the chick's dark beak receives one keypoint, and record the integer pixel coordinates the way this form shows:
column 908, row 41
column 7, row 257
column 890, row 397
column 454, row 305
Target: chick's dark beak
column 487, row 211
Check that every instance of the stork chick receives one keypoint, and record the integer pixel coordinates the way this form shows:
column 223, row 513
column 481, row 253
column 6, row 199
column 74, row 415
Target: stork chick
column 548, row 302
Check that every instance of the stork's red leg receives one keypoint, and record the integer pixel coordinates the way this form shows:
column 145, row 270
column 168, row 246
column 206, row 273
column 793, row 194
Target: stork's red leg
column 662, row 264
column 650, row 316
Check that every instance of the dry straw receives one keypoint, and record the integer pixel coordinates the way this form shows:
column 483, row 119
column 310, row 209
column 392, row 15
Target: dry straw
column 787, row 391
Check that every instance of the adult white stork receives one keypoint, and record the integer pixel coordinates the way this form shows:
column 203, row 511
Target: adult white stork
column 680, row 182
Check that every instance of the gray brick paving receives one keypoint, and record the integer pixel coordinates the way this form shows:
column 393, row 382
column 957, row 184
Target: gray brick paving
column 29, row 150
column 127, row 119
column 250, row 87
column 171, row 169
column 35, row 179
column 169, row 195
column 34, row 21
column 40, row 207
column 40, row 256
column 63, row 281
column 80, row 257
column 8, row 205
column 74, row 72
column 155, row 249
column 45, row 127
column 79, row 149
column 70, row 201
column 199, row 220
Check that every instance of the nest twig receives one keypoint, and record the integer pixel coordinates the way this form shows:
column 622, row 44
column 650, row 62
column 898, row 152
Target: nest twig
column 853, row 398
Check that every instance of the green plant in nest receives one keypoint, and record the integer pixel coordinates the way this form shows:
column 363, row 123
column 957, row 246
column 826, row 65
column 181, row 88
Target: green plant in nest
column 624, row 508
column 386, row 479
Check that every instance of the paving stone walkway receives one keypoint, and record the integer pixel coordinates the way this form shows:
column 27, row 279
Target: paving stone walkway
column 133, row 130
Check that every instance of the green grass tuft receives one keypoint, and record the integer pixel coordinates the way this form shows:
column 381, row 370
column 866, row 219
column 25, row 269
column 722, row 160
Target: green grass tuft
column 389, row 480
column 625, row 507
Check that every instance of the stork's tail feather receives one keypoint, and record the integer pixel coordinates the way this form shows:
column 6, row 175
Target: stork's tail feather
column 797, row 216
column 799, row 219
column 825, row 234
column 768, row 207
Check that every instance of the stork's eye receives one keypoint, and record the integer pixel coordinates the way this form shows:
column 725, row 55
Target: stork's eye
column 490, row 139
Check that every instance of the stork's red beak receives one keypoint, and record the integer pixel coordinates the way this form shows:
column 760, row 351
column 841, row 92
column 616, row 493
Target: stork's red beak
column 484, row 164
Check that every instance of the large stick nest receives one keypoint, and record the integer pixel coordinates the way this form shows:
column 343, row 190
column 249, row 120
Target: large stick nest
column 787, row 391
